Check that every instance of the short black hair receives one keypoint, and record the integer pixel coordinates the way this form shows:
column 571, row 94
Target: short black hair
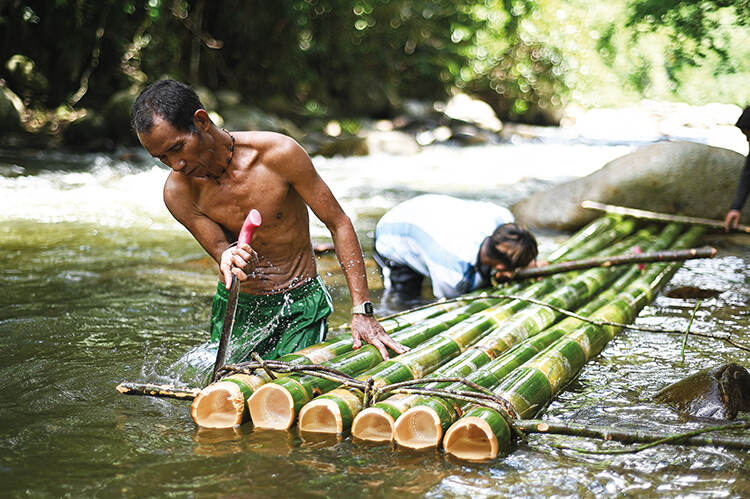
column 518, row 245
column 172, row 100
column 743, row 123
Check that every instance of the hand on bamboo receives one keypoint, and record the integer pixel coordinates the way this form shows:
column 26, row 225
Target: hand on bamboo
column 731, row 220
column 368, row 328
column 237, row 260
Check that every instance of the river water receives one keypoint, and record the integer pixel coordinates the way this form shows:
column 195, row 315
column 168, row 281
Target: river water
column 100, row 285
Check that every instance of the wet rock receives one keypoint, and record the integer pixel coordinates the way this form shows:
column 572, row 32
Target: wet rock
column 244, row 117
column 672, row 177
column 88, row 133
column 343, row 145
column 11, row 108
column 716, row 393
column 390, row 142
column 465, row 108
column 116, row 115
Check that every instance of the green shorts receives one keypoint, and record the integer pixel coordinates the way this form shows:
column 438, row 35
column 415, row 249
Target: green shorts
column 273, row 325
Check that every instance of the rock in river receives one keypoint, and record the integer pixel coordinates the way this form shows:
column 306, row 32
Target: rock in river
column 717, row 393
column 683, row 178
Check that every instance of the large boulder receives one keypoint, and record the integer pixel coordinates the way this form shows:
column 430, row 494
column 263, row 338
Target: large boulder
column 11, row 108
column 683, row 178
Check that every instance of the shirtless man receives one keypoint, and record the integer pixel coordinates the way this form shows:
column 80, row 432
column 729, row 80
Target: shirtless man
column 217, row 178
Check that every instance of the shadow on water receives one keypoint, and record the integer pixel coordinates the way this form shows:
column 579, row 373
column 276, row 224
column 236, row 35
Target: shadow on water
column 120, row 292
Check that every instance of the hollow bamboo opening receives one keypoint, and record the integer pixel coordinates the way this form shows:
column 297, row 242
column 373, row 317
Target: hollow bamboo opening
column 219, row 405
column 271, row 407
column 418, row 428
column 321, row 416
column 471, row 439
column 373, row 425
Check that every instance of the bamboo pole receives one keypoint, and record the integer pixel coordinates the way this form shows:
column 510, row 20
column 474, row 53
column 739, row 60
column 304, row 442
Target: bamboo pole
column 610, row 261
column 661, row 217
column 481, row 433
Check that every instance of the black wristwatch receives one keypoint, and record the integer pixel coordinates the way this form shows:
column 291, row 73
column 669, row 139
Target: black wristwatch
column 364, row 308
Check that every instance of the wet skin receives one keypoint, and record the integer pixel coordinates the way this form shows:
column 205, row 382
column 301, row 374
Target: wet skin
column 717, row 393
column 273, row 174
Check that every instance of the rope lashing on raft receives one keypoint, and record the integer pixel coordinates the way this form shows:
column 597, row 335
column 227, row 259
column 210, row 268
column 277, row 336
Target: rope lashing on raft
column 373, row 394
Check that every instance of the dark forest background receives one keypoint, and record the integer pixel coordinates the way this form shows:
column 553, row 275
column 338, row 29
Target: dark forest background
column 63, row 61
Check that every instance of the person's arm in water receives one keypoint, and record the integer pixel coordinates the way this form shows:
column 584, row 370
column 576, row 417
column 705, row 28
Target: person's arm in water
column 210, row 235
column 732, row 218
column 293, row 163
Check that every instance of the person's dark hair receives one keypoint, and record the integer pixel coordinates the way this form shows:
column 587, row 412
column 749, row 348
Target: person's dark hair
column 517, row 245
column 170, row 99
column 743, row 123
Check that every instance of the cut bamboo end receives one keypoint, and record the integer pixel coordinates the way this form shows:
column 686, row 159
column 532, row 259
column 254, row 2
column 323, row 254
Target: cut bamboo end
column 271, row 407
column 471, row 439
column 418, row 428
column 220, row 405
column 373, row 425
column 321, row 416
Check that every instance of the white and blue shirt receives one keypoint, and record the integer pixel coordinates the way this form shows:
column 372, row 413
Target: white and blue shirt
column 440, row 236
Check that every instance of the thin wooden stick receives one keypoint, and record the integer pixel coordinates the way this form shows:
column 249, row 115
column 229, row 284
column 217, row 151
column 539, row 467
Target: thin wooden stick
column 152, row 390
column 661, row 217
column 610, row 261
column 634, row 436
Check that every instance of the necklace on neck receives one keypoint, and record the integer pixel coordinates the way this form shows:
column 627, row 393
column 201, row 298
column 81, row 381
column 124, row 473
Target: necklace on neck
column 215, row 178
column 231, row 148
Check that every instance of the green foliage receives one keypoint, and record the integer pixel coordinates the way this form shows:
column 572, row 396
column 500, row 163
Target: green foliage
column 363, row 58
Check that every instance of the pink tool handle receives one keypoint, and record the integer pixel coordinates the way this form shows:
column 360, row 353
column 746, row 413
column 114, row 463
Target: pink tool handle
column 252, row 222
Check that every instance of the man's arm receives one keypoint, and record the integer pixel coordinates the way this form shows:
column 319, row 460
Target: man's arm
column 732, row 218
column 210, row 235
column 293, row 163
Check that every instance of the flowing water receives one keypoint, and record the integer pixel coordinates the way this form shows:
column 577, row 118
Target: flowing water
column 100, row 285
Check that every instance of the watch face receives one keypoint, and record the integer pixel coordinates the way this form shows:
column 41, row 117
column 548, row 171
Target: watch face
column 369, row 309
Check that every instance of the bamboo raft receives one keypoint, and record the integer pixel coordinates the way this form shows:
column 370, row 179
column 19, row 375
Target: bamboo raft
column 477, row 364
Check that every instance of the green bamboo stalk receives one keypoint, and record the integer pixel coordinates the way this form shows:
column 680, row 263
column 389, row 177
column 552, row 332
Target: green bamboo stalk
column 532, row 386
column 591, row 230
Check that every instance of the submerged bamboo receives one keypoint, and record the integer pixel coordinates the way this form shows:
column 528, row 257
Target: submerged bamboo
column 482, row 432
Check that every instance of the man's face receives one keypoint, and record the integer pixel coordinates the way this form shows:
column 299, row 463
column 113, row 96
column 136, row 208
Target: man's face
column 183, row 151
